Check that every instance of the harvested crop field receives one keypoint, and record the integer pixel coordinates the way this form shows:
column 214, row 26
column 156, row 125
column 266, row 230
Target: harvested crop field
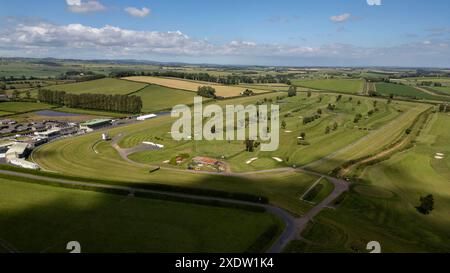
column 221, row 90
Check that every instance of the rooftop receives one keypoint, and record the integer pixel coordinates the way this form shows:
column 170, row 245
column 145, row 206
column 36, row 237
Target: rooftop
column 95, row 122
column 18, row 148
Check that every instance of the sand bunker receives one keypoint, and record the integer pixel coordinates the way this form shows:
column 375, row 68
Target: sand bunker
column 251, row 160
column 439, row 157
column 277, row 159
column 288, row 131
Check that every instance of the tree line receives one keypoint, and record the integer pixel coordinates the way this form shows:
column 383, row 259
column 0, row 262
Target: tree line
column 206, row 77
column 111, row 103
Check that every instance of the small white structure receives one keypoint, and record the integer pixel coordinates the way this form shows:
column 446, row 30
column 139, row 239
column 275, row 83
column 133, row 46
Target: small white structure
column 24, row 164
column 146, row 117
column 105, row 136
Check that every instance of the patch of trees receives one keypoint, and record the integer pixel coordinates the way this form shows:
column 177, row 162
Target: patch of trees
column 310, row 119
column 430, row 83
column 248, row 92
column 206, row 77
column 80, row 76
column 207, row 92
column 358, row 117
column 292, row 91
column 111, row 103
column 331, row 107
column 426, row 204
column 251, row 145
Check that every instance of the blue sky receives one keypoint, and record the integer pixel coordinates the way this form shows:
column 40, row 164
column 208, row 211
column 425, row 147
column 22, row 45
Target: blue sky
column 285, row 32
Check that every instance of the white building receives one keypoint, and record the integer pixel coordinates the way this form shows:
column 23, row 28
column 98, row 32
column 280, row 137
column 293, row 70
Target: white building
column 18, row 150
column 24, row 164
column 146, row 117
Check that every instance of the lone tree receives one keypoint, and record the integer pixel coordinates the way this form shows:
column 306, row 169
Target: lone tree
column 283, row 124
column 249, row 145
column 426, row 204
column 206, row 91
column 303, row 135
column 292, row 91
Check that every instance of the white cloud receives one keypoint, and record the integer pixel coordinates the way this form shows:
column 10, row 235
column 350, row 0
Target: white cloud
column 138, row 12
column 33, row 39
column 79, row 6
column 340, row 18
column 374, row 2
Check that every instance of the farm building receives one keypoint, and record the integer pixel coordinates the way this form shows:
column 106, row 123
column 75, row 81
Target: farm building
column 95, row 124
column 18, row 150
column 146, row 117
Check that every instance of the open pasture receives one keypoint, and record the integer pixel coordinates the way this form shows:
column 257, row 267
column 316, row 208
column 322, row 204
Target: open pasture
column 336, row 85
column 21, row 107
column 106, row 86
column 37, row 218
column 157, row 98
column 221, row 90
column 386, row 89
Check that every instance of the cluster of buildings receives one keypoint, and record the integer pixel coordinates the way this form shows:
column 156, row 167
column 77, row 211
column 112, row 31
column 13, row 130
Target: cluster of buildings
column 201, row 161
column 31, row 135
column 15, row 154
column 17, row 140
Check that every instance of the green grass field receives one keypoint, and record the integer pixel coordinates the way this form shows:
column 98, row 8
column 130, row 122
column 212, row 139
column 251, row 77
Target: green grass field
column 338, row 85
column 401, row 90
column 107, row 86
column 21, row 107
column 157, row 98
column 444, row 90
column 37, row 218
column 382, row 207
column 76, row 156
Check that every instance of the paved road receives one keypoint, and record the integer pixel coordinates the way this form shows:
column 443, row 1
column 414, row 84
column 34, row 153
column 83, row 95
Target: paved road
column 340, row 186
column 293, row 226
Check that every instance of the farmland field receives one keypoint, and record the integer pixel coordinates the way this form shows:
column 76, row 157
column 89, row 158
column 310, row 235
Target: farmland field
column 221, row 90
column 20, row 107
column 445, row 90
column 157, row 98
column 401, row 90
column 338, row 85
column 51, row 217
column 105, row 86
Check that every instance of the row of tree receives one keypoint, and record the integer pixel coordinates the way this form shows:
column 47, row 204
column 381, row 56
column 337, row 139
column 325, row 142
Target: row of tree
column 112, row 103
column 206, row 77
